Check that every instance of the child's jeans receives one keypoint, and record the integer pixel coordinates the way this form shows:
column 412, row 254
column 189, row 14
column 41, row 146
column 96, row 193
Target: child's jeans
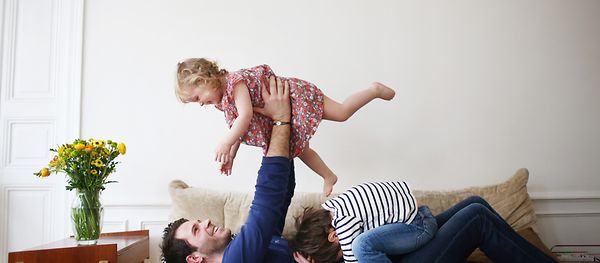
column 394, row 239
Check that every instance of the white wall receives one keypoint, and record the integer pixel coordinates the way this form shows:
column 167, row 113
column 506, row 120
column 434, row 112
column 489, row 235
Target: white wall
column 483, row 88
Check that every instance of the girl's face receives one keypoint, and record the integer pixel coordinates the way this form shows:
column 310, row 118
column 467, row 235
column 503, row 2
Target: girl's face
column 203, row 94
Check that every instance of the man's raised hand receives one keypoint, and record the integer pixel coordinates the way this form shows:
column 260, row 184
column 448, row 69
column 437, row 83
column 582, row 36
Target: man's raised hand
column 277, row 100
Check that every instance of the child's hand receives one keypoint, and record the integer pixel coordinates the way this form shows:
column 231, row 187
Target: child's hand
column 226, row 167
column 222, row 153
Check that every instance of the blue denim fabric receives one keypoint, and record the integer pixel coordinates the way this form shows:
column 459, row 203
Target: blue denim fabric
column 398, row 238
column 471, row 224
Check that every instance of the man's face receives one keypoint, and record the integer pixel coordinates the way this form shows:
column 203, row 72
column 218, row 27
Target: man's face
column 207, row 237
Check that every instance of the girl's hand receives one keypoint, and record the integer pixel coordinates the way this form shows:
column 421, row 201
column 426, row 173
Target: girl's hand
column 226, row 167
column 222, row 153
column 301, row 259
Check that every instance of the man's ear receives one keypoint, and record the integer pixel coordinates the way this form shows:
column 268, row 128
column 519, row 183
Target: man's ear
column 332, row 236
column 194, row 258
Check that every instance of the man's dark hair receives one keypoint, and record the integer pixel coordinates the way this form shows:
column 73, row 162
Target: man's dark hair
column 174, row 250
column 311, row 239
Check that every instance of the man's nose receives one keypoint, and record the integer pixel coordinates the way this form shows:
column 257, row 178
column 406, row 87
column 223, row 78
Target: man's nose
column 205, row 223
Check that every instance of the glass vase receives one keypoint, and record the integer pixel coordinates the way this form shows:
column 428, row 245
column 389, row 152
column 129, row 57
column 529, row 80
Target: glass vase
column 86, row 214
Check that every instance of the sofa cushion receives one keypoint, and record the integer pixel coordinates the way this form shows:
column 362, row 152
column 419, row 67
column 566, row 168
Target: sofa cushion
column 227, row 209
column 510, row 199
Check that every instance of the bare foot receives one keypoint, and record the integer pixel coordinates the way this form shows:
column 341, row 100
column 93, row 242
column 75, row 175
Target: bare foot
column 383, row 91
column 328, row 184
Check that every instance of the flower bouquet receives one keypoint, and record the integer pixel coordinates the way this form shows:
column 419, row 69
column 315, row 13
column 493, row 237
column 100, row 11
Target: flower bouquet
column 87, row 164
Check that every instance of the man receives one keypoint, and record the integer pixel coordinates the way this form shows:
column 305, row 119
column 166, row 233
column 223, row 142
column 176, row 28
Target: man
column 260, row 238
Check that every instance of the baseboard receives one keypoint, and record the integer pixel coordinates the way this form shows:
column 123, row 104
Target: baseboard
column 568, row 218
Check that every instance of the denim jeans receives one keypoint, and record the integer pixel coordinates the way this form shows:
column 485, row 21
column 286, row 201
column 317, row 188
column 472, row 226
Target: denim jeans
column 398, row 238
column 471, row 224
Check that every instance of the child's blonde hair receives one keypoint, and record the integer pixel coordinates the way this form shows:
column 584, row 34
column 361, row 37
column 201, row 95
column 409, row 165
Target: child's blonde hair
column 193, row 70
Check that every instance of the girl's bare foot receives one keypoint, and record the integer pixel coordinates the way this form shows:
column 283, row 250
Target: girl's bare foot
column 328, row 183
column 383, row 91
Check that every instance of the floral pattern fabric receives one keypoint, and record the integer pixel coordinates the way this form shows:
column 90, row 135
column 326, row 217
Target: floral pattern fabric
column 307, row 108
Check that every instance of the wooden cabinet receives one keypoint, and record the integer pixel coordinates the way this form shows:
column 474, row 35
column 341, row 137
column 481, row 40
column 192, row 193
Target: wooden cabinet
column 121, row 247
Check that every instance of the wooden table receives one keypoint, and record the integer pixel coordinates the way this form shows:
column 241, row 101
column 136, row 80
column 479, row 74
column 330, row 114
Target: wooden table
column 122, row 247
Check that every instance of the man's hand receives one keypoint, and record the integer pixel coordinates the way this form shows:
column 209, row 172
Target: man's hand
column 301, row 259
column 278, row 108
column 277, row 101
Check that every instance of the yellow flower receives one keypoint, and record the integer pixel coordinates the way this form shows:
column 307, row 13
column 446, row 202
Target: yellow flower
column 61, row 150
column 79, row 146
column 86, row 163
column 97, row 163
column 122, row 148
column 97, row 143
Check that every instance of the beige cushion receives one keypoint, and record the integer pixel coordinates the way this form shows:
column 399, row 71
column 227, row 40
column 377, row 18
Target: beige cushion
column 510, row 199
column 230, row 209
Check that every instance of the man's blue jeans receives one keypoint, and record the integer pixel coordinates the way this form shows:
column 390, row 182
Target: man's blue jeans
column 398, row 238
column 471, row 224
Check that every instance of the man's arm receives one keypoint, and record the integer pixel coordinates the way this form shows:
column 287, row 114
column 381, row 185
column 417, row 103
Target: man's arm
column 278, row 108
column 266, row 213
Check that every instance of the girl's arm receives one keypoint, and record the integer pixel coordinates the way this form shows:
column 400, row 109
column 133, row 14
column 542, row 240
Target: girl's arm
column 243, row 103
column 234, row 149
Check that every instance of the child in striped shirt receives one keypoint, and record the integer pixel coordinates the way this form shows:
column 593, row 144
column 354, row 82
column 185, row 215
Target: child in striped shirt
column 363, row 224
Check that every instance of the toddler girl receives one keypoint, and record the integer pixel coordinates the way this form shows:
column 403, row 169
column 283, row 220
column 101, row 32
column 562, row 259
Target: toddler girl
column 237, row 93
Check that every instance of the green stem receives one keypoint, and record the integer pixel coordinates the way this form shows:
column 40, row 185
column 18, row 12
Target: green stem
column 87, row 216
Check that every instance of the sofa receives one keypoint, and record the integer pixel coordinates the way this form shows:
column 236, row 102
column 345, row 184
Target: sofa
column 230, row 209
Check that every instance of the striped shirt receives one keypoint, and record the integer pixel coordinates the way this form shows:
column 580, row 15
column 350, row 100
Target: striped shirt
column 367, row 206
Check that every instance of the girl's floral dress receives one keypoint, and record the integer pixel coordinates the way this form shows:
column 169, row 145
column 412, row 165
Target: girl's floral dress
column 307, row 108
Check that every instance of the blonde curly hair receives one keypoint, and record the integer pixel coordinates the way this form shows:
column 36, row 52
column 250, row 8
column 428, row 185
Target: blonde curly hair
column 192, row 71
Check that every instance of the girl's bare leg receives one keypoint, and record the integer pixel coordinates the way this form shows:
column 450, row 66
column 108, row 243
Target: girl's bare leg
column 335, row 111
column 315, row 163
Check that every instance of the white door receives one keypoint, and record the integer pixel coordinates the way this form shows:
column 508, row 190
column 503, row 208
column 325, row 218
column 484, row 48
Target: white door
column 40, row 90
